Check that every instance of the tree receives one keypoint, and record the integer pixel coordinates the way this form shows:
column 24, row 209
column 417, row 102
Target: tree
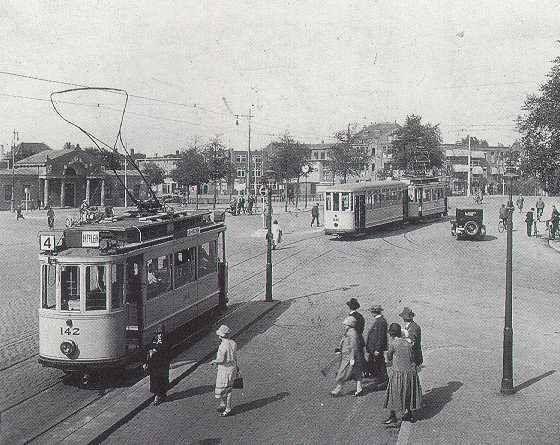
column 347, row 157
column 218, row 163
column 540, row 130
column 191, row 169
column 475, row 142
column 287, row 156
column 154, row 173
column 416, row 146
column 109, row 159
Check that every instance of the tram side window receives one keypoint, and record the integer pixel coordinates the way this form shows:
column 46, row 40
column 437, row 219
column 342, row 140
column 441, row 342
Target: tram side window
column 427, row 195
column 207, row 259
column 345, row 204
column 185, row 267
column 96, row 289
column 158, row 277
column 335, row 202
column 328, row 201
column 49, row 287
column 117, row 282
column 70, row 288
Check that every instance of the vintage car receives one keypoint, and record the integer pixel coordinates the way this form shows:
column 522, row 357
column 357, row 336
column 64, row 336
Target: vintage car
column 468, row 223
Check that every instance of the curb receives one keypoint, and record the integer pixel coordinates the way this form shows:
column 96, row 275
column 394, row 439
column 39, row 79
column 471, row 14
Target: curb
column 95, row 423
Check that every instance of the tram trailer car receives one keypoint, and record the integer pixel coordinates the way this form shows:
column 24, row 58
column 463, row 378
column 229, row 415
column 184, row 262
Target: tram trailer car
column 106, row 287
column 355, row 208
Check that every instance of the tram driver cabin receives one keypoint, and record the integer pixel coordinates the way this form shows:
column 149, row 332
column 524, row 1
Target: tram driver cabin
column 354, row 208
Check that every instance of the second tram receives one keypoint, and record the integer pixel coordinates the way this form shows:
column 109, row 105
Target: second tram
column 355, row 208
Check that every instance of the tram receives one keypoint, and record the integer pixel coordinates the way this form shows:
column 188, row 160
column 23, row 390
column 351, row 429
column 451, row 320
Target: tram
column 355, row 208
column 107, row 286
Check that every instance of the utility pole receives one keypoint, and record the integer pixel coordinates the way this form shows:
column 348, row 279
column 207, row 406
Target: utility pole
column 469, row 171
column 249, row 116
column 125, row 179
column 15, row 137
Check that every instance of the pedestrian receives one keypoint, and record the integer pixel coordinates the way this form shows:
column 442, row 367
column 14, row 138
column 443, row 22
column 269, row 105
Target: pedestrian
column 519, row 203
column 351, row 358
column 265, row 213
column 241, row 205
column 233, row 206
column 19, row 214
column 276, row 234
column 353, row 305
column 504, row 214
column 404, row 393
column 315, row 214
column 529, row 219
column 413, row 334
column 376, row 345
column 157, row 365
column 250, row 203
column 84, row 209
column 540, row 207
column 50, row 217
column 554, row 219
column 226, row 361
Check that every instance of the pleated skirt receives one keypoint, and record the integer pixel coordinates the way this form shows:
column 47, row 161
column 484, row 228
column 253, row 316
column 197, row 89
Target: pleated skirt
column 403, row 391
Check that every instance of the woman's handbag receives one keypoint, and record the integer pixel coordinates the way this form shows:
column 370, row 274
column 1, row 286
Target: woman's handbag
column 238, row 382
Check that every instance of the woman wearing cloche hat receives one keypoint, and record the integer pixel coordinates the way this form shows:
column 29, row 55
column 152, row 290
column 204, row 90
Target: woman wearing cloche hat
column 351, row 358
column 226, row 361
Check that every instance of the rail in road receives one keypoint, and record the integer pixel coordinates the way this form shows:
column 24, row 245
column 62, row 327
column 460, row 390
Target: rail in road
column 36, row 399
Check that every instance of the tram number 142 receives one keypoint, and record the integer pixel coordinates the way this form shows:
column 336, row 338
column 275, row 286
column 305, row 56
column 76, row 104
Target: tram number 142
column 69, row 331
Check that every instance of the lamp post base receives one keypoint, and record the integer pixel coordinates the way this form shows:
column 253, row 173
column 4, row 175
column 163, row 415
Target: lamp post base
column 507, row 387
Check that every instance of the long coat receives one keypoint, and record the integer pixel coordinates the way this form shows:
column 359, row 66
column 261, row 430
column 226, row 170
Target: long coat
column 351, row 349
column 377, row 341
column 415, row 337
column 403, row 390
column 158, row 368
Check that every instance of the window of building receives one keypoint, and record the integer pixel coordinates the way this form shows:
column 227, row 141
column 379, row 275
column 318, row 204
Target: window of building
column 49, row 287
column 322, row 155
column 241, row 159
column 7, row 192
column 70, row 288
column 158, row 276
column 117, row 284
column 315, row 155
column 207, row 259
column 258, row 172
column 240, row 173
column 185, row 267
column 96, row 290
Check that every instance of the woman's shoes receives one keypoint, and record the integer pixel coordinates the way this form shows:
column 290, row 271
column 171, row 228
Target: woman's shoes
column 225, row 413
column 390, row 420
column 359, row 393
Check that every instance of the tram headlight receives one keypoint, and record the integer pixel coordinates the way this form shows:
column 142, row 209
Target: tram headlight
column 68, row 348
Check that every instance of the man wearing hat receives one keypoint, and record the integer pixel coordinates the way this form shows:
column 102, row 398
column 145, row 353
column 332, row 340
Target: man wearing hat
column 413, row 334
column 376, row 345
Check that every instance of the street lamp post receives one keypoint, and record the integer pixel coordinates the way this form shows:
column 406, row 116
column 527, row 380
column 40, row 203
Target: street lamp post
column 507, row 374
column 269, row 175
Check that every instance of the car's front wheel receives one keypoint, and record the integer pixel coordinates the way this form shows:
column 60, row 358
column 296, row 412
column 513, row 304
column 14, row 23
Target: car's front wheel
column 471, row 228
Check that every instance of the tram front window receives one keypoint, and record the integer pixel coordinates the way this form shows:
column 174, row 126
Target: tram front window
column 345, row 205
column 96, row 289
column 49, row 287
column 335, row 202
column 70, row 288
column 328, row 200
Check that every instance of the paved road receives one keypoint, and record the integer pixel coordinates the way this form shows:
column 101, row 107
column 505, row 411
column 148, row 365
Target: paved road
column 455, row 287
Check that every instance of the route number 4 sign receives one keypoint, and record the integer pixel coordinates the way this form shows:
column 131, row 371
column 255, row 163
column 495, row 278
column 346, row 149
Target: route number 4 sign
column 47, row 242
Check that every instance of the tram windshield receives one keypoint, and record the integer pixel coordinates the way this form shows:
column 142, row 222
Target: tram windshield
column 70, row 288
column 345, row 203
column 96, row 289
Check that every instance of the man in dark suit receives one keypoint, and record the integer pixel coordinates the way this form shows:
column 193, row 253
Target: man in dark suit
column 376, row 345
column 413, row 334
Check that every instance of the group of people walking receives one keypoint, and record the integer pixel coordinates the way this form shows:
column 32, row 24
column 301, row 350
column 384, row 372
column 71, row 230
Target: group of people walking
column 239, row 205
column 534, row 215
column 394, row 346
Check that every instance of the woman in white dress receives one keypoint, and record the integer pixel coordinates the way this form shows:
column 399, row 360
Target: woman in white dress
column 226, row 361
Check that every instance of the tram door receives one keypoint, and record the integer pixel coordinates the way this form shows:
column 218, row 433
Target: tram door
column 134, row 294
column 360, row 211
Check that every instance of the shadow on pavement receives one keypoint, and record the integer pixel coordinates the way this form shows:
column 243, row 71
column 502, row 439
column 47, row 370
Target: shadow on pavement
column 436, row 398
column 210, row 441
column 196, row 391
column 259, row 403
column 533, row 380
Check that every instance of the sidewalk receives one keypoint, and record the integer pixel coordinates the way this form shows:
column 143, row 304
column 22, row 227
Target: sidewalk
column 99, row 419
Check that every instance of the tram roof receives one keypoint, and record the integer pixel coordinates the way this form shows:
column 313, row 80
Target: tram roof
column 363, row 186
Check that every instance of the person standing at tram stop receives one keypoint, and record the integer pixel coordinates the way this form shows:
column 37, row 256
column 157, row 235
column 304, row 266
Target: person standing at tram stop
column 226, row 361
column 404, row 393
column 157, row 365
column 540, row 208
column 554, row 219
column 19, row 214
column 529, row 218
column 519, row 203
column 50, row 217
column 413, row 334
column 351, row 359
column 376, row 345
column 315, row 214
column 276, row 234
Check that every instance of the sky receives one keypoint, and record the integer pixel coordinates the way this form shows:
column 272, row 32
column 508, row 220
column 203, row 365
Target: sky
column 304, row 67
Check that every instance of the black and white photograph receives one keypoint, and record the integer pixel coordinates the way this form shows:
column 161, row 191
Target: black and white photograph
column 270, row 222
